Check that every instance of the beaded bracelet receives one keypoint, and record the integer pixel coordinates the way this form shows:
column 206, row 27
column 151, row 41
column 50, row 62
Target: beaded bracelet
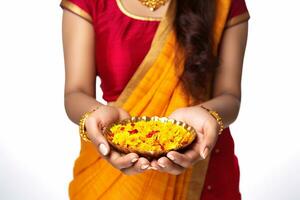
column 82, row 129
column 216, row 115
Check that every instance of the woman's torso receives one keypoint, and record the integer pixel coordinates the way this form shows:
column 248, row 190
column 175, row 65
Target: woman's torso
column 119, row 51
column 123, row 39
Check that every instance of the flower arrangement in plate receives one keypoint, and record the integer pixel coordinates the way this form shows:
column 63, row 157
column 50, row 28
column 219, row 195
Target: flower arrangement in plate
column 150, row 137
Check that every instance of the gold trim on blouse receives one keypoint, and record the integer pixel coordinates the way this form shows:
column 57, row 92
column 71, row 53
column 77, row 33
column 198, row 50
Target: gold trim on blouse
column 128, row 14
column 238, row 19
column 76, row 10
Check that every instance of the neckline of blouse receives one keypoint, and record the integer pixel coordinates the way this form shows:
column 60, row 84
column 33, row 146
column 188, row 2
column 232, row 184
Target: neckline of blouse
column 131, row 15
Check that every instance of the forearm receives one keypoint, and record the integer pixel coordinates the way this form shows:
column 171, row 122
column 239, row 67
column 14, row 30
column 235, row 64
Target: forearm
column 77, row 103
column 226, row 105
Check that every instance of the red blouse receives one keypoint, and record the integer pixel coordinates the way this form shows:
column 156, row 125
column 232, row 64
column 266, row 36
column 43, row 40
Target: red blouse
column 122, row 41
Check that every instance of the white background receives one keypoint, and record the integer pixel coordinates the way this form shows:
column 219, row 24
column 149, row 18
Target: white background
column 38, row 143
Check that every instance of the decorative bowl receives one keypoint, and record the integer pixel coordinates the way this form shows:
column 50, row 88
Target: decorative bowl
column 150, row 137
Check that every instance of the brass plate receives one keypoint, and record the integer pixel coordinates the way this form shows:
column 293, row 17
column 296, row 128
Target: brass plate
column 148, row 154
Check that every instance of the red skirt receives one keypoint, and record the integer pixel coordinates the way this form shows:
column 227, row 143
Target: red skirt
column 223, row 175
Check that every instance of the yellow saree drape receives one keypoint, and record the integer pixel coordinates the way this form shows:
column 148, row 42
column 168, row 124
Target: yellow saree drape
column 154, row 89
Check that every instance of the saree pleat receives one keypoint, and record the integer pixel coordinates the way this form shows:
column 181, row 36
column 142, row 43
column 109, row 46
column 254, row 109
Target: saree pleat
column 154, row 90
column 157, row 83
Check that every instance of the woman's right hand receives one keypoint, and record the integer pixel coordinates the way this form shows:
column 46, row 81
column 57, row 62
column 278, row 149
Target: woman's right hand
column 96, row 122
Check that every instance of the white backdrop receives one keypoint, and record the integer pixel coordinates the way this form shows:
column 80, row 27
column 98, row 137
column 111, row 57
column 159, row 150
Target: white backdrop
column 38, row 143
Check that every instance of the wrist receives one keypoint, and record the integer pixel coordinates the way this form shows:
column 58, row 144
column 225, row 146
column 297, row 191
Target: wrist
column 217, row 118
column 82, row 124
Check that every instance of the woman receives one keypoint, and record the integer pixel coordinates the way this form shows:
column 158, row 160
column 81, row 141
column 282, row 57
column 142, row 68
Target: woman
column 172, row 58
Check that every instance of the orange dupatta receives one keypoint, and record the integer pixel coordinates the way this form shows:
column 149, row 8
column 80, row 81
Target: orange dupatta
column 154, row 90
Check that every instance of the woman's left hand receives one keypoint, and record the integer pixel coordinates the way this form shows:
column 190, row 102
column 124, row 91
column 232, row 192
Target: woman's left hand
column 207, row 134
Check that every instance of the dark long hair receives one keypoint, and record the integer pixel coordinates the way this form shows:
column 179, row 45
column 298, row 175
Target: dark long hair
column 193, row 25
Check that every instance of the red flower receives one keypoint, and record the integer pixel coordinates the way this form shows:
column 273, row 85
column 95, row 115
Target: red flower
column 151, row 133
column 134, row 131
column 162, row 147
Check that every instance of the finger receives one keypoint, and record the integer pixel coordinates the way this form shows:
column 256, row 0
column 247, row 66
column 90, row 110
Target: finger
column 184, row 160
column 95, row 135
column 168, row 166
column 141, row 165
column 123, row 114
column 160, row 166
column 154, row 165
column 209, row 140
column 120, row 162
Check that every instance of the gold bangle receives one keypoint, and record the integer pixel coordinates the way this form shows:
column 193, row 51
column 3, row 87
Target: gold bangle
column 216, row 115
column 82, row 129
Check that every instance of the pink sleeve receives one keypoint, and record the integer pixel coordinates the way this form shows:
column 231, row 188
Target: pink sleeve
column 83, row 8
column 238, row 13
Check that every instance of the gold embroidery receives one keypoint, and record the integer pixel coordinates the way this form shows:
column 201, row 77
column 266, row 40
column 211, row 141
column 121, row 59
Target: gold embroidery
column 76, row 9
column 153, row 4
column 123, row 10
column 238, row 19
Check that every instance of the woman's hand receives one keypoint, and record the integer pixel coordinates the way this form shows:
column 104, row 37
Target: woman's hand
column 95, row 124
column 207, row 134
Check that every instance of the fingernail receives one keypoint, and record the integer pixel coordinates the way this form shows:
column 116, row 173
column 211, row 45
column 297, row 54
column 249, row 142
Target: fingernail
column 204, row 153
column 154, row 168
column 145, row 166
column 171, row 157
column 103, row 149
column 162, row 165
column 134, row 160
